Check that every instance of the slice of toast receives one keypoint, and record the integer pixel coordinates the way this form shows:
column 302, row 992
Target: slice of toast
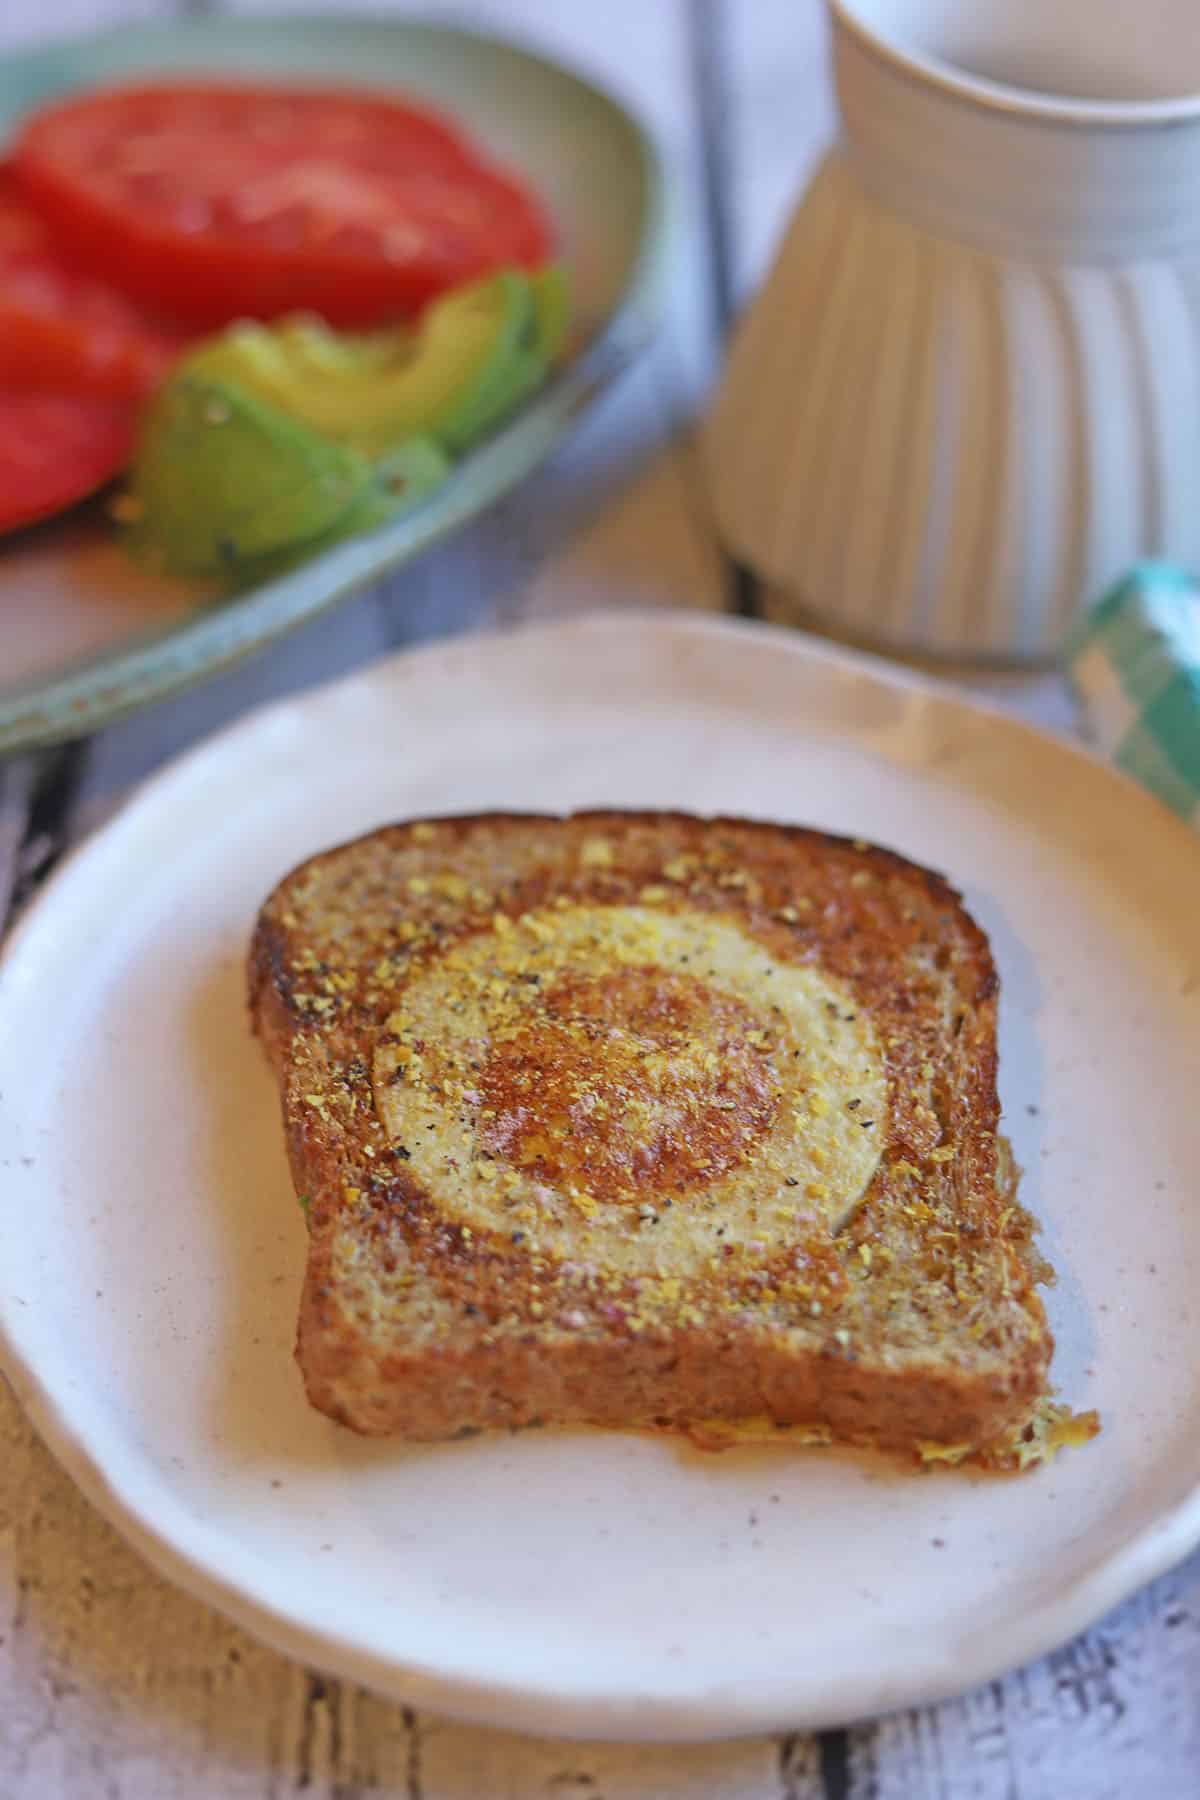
column 635, row 1118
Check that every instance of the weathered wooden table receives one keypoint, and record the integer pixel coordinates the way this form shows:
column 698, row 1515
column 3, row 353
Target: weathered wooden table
column 114, row 1685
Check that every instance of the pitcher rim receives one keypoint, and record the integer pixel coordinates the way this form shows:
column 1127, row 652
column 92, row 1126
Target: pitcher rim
column 1009, row 98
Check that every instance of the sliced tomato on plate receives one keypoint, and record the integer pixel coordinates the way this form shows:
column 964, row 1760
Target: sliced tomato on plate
column 57, row 448
column 62, row 328
column 218, row 201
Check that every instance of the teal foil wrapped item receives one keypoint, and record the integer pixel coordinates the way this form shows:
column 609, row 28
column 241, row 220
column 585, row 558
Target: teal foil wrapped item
column 1133, row 661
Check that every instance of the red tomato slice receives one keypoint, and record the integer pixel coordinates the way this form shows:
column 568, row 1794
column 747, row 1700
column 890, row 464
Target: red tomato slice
column 218, row 202
column 61, row 328
column 57, row 448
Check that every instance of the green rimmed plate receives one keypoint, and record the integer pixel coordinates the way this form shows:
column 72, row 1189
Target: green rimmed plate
column 85, row 637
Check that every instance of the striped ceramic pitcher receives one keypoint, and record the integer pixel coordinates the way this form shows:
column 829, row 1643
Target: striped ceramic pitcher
column 968, row 396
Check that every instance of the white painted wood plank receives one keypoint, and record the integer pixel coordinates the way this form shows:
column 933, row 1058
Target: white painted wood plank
column 25, row 22
column 116, row 1685
column 778, row 70
column 16, row 787
column 460, row 1764
column 1115, row 1714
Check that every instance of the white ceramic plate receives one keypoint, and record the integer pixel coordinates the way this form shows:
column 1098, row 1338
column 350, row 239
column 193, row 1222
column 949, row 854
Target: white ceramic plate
column 590, row 1583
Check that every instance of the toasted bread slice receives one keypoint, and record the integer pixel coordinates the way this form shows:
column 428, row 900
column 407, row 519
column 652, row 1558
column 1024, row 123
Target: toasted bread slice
column 639, row 1117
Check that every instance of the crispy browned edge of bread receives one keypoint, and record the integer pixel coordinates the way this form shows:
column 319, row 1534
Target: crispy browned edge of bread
column 481, row 1379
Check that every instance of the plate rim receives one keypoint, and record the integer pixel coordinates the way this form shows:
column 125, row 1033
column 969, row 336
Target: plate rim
column 204, row 1563
column 83, row 695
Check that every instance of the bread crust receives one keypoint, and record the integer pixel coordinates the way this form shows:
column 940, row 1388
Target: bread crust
column 919, row 1321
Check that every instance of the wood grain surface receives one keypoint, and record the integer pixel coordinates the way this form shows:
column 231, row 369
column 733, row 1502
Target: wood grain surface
column 113, row 1686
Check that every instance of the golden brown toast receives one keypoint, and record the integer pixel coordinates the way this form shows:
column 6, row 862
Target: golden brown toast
column 638, row 1117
